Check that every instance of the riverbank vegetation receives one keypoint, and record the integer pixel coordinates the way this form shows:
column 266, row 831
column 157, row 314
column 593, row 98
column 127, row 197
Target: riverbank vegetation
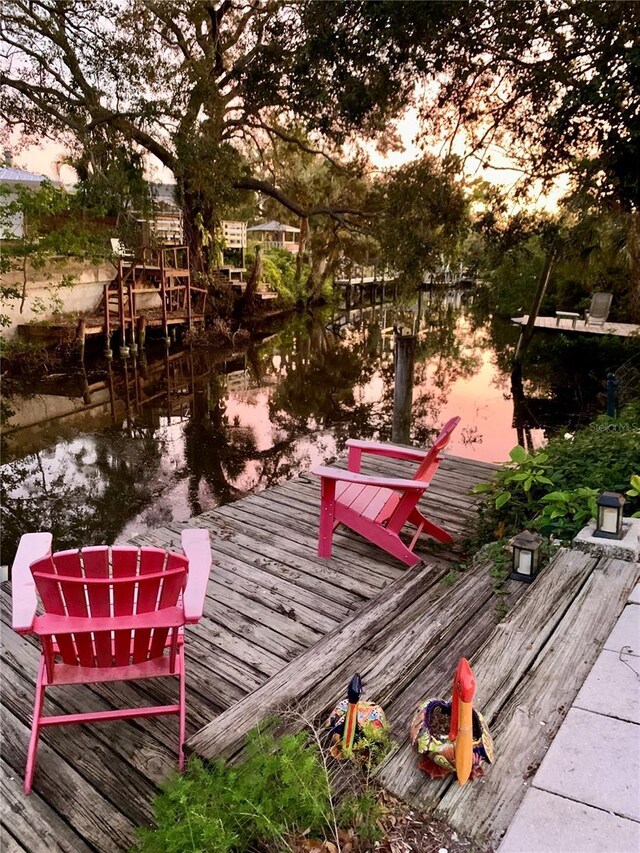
column 258, row 109
column 554, row 489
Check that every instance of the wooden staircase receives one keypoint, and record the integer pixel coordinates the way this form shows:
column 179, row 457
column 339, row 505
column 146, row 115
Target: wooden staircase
column 153, row 288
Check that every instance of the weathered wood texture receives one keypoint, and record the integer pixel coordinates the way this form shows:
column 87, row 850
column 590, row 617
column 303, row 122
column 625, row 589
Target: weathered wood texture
column 623, row 330
column 269, row 599
column 529, row 671
column 418, row 622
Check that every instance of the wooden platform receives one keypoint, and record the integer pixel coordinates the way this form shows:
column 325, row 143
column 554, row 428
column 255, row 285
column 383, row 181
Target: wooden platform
column 270, row 599
column 529, row 672
column 552, row 324
column 406, row 644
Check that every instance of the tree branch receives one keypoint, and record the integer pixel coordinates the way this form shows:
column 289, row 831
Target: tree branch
column 287, row 137
column 334, row 211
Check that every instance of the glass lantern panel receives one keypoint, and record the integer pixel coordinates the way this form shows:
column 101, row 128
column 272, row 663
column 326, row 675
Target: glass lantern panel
column 524, row 562
column 609, row 520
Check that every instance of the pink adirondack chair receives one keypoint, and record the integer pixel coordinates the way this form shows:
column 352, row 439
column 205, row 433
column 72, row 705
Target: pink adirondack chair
column 110, row 614
column 379, row 507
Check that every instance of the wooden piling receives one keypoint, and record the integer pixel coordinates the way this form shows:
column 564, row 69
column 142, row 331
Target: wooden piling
column 405, row 346
column 81, row 338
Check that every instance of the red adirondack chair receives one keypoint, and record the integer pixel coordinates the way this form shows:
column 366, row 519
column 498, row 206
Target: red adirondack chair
column 379, row 507
column 110, row 614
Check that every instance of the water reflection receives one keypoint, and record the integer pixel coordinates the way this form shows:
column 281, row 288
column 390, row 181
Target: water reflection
column 97, row 458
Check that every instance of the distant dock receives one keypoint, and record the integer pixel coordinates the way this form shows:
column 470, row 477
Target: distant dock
column 554, row 324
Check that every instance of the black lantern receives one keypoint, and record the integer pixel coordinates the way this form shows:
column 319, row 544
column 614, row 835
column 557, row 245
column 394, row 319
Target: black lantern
column 609, row 517
column 526, row 556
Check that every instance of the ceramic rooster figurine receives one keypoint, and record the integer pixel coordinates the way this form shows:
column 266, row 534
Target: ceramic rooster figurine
column 355, row 725
column 452, row 737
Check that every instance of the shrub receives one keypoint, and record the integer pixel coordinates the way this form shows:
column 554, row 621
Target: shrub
column 555, row 490
column 280, row 790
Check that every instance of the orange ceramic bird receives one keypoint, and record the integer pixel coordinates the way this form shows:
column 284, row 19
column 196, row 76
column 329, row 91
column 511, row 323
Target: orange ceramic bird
column 452, row 737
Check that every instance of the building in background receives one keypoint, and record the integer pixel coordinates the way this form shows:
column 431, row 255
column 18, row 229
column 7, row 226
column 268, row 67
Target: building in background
column 275, row 235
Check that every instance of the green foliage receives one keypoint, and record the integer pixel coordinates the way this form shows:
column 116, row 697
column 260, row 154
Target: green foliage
column 525, row 472
column 53, row 231
column 634, row 491
column 565, row 512
column 598, row 458
column 424, row 214
column 279, row 271
column 281, row 788
column 362, row 813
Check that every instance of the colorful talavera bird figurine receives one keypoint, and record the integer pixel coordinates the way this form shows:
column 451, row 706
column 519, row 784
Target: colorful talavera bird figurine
column 452, row 737
column 355, row 725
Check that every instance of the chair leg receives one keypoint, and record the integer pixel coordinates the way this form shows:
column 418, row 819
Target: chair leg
column 393, row 545
column 35, row 728
column 327, row 516
column 182, row 712
column 439, row 533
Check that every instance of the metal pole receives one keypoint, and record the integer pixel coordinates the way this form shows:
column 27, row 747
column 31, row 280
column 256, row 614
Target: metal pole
column 612, row 395
column 405, row 346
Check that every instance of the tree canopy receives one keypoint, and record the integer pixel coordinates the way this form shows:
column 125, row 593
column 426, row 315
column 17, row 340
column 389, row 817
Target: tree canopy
column 202, row 85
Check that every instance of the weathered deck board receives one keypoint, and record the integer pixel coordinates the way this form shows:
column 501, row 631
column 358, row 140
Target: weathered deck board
column 529, row 672
column 269, row 599
column 499, row 665
column 534, row 712
column 296, row 682
column 623, row 330
column 32, row 821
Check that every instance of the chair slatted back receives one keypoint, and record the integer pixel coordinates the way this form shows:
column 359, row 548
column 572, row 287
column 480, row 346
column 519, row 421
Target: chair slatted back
column 600, row 307
column 426, row 470
column 102, row 582
column 429, row 465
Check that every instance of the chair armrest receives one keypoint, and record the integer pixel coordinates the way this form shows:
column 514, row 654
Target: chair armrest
column 24, row 599
column 50, row 623
column 394, row 483
column 382, row 448
column 197, row 548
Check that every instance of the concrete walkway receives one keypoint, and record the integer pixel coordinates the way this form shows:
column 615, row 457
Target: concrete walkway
column 585, row 796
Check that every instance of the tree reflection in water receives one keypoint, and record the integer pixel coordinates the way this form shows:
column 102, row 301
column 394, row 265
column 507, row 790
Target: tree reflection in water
column 177, row 435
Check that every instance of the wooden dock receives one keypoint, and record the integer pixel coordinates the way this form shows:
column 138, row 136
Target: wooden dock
column 270, row 598
column 564, row 324
column 282, row 628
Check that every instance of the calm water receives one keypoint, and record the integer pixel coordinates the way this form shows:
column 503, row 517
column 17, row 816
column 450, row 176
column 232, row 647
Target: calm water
column 130, row 447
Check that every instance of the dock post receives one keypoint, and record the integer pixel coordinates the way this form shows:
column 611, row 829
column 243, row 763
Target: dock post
column 81, row 336
column 142, row 331
column 405, row 347
column 612, row 395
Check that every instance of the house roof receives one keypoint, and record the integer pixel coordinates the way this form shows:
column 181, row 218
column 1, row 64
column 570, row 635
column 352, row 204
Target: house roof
column 274, row 226
column 12, row 175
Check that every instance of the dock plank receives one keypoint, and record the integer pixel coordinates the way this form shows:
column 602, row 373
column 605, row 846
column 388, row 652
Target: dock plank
column 225, row 735
column 59, row 783
column 530, row 718
column 621, row 330
column 270, row 600
column 33, row 821
column 498, row 666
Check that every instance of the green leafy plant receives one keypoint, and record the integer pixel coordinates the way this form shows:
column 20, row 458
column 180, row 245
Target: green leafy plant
column 371, row 748
column 555, row 490
column 634, row 491
column 279, row 790
column 564, row 511
column 279, row 793
column 525, row 471
column 362, row 813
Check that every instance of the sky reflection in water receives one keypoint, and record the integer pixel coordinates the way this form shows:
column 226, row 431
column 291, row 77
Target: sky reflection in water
column 142, row 458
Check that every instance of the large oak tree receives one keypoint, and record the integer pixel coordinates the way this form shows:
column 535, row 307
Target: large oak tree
column 199, row 84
